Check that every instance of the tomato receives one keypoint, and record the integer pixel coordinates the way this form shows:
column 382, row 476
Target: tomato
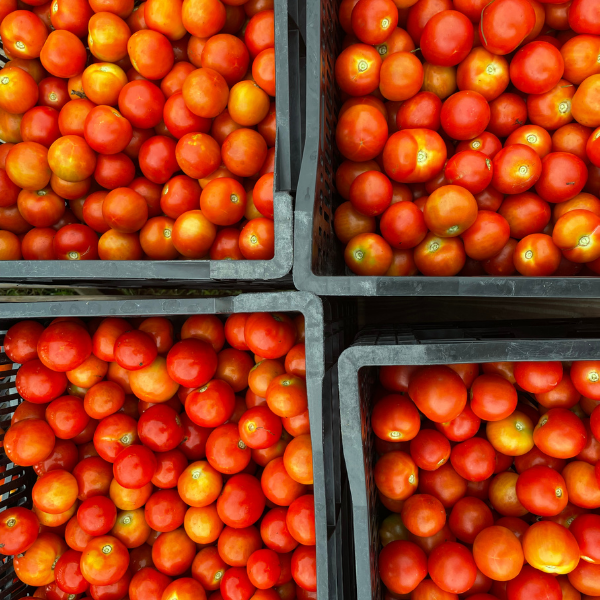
column 452, row 568
column 575, row 234
column 536, row 457
column 532, row 135
column 536, row 68
column 505, row 25
column 414, row 155
column 497, row 553
column 530, row 582
column 440, row 81
column 487, row 236
column 465, row 115
column 439, row 48
column 27, row 166
column 468, row 518
column 563, row 176
column 542, row 491
column 357, row 69
column 551, row 548
column 537, row 255
column 436, row 256
column 55, row 492
column 483, row 72
column 512, row 435
column 429, row 449
column 578, row 53
column 28, row 442
column 241, row 502
column 585, row 529
column 395, row 419
column 148, row 583
column 560, row 433
column 278, row 486
column 361, row 133
column 200, row 484
column 526, row 213
column 444, row 483
column 585, row 579
column 402, row 566
column 554, row 108
column 208, row 568
column 582, row 485
column 20, row 341
column 18, row 530
column 473, row 459
column 104, row 560
column 36, row 567
column 423, row 515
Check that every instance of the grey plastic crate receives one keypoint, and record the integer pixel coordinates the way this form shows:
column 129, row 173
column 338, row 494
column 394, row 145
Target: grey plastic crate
column 318, row 255
column 329, row 328
column 358, row 377
column 212, row 274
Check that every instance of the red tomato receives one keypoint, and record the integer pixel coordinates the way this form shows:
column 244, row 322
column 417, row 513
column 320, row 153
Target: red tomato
column 402, row 566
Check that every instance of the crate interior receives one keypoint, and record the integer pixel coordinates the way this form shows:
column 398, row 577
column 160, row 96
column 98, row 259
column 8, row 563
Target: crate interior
column 339, row 330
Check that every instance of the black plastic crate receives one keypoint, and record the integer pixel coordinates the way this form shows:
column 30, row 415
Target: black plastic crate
column 250, row 275
column 318, row 255
column 358, row 368
column 329, row 328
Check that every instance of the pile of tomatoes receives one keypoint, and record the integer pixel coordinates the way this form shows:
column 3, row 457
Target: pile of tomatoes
column 167, row 470
column 137, row 133
column 470, row 137
column 492, row 479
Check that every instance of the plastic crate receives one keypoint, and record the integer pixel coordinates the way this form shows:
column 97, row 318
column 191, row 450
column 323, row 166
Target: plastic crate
column 358, row 377
column 329, row 327
column 224, row 274
column 318, row 255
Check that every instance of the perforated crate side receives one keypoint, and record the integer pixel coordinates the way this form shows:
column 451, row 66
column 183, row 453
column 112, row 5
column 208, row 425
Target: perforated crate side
column 249, row 275
column 324, row 344
column 358, row 376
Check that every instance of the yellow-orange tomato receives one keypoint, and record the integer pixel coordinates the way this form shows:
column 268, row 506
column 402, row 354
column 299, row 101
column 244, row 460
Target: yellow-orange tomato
column 551, row 548
column 203, row 524
column 200, row 484
column 36, row 566
column 152, row 383
column 55, row 492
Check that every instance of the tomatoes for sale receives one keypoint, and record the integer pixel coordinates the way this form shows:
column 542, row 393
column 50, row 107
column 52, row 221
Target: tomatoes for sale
column 149, row 490
column 440, row 117
column 177, row 87
column 514, row 507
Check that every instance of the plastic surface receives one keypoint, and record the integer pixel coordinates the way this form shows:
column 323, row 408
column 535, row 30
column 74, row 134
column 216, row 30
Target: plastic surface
column 329, row 327
column 224, row 274
column 318, row 255
column 358, row 377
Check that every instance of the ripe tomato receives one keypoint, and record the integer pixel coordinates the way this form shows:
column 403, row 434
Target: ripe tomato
column 468, row 518
column 443, row 50
column 402, row 566
column 512, row 435
column 542, row 491
column 551, row 548
column 498, row 553
column 465, row 115
column 452, row 568
column 423, row 515
column 425, row 389
column 361, row 133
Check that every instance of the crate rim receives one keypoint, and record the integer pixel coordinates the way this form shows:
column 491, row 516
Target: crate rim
column 410, row 352
column 310, row 305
